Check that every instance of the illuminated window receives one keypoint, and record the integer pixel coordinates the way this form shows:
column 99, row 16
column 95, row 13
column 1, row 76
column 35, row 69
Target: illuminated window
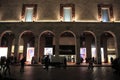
column 67, row 12
column 105, row 12
column 105, row 15
column 29, row 12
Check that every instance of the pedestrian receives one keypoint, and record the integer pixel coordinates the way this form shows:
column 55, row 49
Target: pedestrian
column 22, row 63
column 2, row 63
column 90, row 66
column 7, row 66
column 47, row 62
column 65, row 63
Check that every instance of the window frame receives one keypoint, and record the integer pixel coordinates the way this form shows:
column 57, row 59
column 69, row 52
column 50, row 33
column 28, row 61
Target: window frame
column 110, row 9
column 34, row 6
column 62, row 9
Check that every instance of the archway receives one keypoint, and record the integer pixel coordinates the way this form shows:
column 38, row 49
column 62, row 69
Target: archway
column 67, row 46
column 108, row 46
column 87, row 46
column 7, row 40
column 47, row 44
column 26, row 46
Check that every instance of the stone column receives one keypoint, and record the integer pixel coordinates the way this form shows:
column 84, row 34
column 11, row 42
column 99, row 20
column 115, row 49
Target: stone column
column 56, row 45
column 9, row 47
column 16, row 44
column 25, row 47
column 88, row 46
column 77, row 49
column 118, row 46
column 36, row 52
column 98, row 50
column 105, row 50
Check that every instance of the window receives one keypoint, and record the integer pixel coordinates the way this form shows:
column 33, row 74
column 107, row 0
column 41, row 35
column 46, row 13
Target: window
column 105, row 15
column 67, row 12
column 105, row 12
column 29, row 12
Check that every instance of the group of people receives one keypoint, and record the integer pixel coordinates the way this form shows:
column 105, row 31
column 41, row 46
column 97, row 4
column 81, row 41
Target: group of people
column 5, row 65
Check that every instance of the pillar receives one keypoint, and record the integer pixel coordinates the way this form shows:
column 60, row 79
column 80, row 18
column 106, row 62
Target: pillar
column 36, row 46
column 118, row 46
column 9, row 47
column 16, row 44
column 88, row 46
column 105, row 50
column 25, row 47
column 56, row 45
column 98, row 50
column 77, row 47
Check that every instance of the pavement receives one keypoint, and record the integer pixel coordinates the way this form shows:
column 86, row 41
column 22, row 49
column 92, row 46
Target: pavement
column 72, row 72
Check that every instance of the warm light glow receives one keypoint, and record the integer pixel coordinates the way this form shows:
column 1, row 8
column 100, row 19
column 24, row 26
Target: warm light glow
column 61, row 18
column 73, row 18
column 22, row 18
column 112, row 19
column 110, row 49
column 34, row 18
column 20, row 49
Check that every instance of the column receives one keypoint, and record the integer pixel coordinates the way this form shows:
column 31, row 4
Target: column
column 98, row 50
column 56, row 45
column 118, row 46
column 88, row 46
column 77, row 47
column 25, row 47
column 16, row 44
column 9, row 47
column 105, row 50
column 36, row 52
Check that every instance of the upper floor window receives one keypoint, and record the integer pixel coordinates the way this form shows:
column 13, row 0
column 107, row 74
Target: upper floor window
column 29, row 12
column 105, row 12
column 67, row 12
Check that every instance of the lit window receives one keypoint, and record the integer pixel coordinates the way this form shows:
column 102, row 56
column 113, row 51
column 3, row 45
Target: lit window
column 67, row 12
column 29, row 12
column 105, row 12
column 105, row 15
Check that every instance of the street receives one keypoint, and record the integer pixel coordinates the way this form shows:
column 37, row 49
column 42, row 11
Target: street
column 70, row 73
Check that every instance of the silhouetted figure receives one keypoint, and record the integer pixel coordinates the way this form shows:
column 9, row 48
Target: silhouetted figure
column 111, row 59
column 7, row 66
column 22, row 64
column 47, row 62
column 90, row 66
column 2, row 64
column 65, row 62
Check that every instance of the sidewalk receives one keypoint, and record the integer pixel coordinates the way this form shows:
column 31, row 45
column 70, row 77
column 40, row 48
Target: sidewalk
column 77, row 65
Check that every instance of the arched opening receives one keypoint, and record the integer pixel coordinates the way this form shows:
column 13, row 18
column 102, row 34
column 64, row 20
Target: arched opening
column 108, row 47
column 7, row 41
column 87, row 46
column 26, row 46
column 67, row 46
column 47, row 44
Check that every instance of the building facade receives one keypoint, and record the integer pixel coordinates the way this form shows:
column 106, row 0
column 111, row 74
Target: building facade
column 69, row 28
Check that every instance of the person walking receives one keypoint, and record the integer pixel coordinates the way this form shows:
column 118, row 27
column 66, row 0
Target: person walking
column 47, row 62
column 90, row 66
column 7, row 66
column 22, row 62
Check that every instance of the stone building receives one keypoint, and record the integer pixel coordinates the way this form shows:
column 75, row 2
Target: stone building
column 70, row 28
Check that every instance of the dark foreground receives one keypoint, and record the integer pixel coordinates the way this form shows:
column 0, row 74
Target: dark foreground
column 70, row 73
